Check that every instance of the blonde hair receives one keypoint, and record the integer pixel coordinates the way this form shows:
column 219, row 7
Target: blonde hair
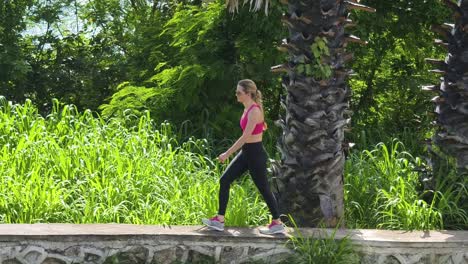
column 249, row 87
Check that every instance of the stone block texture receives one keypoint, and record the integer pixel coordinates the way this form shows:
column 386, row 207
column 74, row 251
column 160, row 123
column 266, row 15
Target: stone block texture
column 130, row 244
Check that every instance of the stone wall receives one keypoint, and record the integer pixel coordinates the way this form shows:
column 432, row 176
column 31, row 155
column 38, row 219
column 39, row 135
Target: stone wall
column 404, row 247
column 113, row 243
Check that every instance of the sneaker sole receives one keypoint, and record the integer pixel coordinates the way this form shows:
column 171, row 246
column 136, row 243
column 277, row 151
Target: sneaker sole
column 272, row 233
column 279, row 232
column 212, row 227
column 215, row 228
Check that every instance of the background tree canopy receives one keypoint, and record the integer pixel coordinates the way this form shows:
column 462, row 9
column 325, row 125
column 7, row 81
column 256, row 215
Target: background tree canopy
column 182, row 61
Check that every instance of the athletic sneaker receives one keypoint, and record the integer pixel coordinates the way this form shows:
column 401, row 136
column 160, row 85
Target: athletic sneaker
column 273, row 228
column 214, row 223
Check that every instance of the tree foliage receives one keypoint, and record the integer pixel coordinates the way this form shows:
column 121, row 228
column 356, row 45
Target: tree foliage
column 13, row 64
column 390, row 69
column 200, row 54
column 186, row 57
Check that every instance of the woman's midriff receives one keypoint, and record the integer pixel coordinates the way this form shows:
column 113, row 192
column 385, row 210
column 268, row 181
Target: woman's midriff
column 254, row 138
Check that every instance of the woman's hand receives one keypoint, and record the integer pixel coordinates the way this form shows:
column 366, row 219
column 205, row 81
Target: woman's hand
column 223, row 157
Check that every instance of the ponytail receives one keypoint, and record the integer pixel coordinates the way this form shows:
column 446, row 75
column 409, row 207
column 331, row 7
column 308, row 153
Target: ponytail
column 258, row 99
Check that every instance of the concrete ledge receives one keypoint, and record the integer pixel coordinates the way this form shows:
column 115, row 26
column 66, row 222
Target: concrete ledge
column 121, row 243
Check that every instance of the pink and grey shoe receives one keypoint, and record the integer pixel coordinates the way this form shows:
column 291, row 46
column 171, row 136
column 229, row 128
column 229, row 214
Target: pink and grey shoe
column 273, row 228
column 214, row 223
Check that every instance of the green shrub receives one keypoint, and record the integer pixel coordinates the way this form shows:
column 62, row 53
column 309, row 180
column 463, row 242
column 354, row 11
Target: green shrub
column 72, row 167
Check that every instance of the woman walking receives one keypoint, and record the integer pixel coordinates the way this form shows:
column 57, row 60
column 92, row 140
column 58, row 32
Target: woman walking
column 252, row 157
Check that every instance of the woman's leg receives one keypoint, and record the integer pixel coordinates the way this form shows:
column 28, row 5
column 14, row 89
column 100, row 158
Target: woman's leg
column 257, row 163
column 235, row 169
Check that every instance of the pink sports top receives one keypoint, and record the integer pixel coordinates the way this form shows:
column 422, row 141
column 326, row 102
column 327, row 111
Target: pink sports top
column 259, row 128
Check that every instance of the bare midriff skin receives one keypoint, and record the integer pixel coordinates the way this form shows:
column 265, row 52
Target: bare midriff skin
column 254, row 138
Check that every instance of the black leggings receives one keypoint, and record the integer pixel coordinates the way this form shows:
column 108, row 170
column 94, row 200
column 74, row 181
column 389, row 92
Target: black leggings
column 254, row 158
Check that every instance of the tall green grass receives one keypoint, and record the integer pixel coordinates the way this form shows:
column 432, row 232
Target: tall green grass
column 383, row 190
column 411, row 138
column 72, row 167
column 321, row 248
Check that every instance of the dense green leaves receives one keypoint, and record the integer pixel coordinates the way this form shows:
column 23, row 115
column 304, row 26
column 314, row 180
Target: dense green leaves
column 13, row 64
column 201, row 52
column 71, row 167
column 390, row 69
column 194, row 53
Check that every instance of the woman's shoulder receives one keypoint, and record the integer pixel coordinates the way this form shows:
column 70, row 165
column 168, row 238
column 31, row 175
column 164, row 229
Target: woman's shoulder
column 254, row 111
column 255, row 107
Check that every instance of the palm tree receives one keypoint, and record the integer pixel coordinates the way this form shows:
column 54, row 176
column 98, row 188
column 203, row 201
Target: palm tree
column 452, row 101
column 310, row 174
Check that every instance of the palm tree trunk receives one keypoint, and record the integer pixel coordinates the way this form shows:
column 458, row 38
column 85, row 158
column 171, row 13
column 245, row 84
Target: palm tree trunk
column 452, row 101
column 310, row 174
